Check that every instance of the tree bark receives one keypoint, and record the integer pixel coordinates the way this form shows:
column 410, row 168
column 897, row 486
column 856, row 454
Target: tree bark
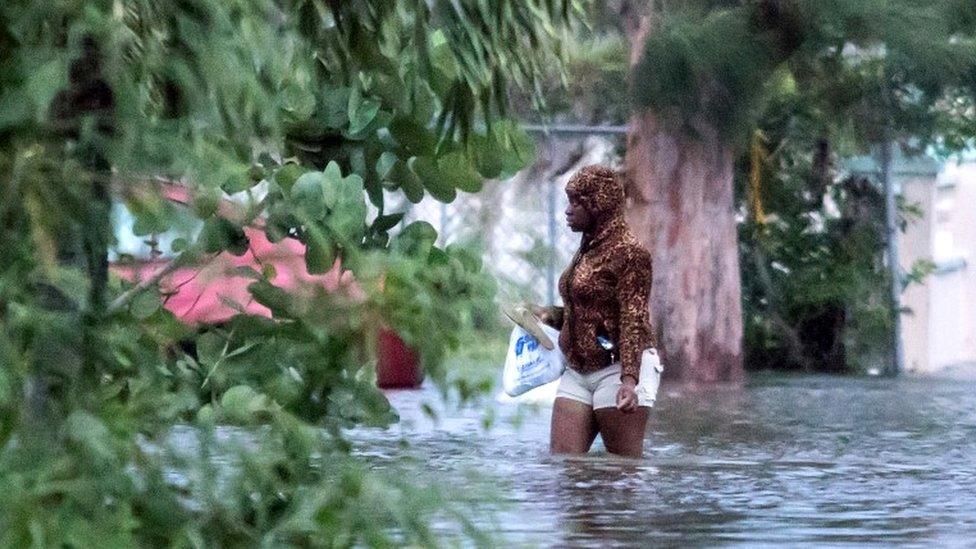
column 680, row 204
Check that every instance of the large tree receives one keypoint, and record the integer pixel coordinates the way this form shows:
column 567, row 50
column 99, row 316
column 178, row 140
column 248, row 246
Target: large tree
column 304, row 110
column 703, row 73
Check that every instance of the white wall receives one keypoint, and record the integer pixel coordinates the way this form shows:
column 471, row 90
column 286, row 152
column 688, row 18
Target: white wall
column 942, row 331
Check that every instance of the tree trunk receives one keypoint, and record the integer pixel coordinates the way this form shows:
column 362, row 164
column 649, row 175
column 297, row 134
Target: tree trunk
column 681, row 207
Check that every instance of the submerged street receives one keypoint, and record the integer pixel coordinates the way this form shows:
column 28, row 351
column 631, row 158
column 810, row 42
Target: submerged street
column 822, row 460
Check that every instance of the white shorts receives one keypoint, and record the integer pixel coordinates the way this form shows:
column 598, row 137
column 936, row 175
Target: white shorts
column 599, row 389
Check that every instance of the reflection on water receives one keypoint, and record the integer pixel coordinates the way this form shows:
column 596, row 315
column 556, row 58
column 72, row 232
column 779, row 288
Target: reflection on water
column 781, row 460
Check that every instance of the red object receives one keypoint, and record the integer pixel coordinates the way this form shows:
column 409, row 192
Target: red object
column 216, row 291
column 397, row 366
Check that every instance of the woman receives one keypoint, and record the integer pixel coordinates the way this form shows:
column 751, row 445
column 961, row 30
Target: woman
column 605, row 294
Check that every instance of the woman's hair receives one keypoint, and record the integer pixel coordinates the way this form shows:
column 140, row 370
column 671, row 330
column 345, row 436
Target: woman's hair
column 598, row 188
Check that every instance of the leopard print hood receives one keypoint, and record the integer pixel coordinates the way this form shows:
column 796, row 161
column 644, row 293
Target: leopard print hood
column 601, row 192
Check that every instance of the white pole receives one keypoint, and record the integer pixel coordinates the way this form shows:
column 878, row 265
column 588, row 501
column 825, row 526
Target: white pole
column 891, row 229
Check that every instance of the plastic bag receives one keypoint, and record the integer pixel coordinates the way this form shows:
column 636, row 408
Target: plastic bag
column 529, row 364
column 650, row 377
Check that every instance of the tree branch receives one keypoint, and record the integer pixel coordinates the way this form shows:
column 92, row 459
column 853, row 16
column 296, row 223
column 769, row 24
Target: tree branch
column 794, row 345
column 127, row 296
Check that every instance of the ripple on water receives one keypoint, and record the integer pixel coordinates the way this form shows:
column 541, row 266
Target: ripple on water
column 821, row 460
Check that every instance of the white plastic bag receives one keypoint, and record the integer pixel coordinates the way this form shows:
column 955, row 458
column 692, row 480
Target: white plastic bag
column 650, row 377
column 529, row 364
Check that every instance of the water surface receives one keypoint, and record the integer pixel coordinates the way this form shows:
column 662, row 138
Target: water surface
column 781, row 460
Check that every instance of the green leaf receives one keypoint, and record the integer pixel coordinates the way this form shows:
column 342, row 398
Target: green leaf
column 348, row 220
column 331, row 184
column 385, row 164
column 220, row 235
column 145, row 303
column 206, row 202
column 519, row 146
column 469, row 258
column 336, row 107
column 319, row 253
column 374, row 191
column 489, row 157
column 308, row 196
column 456, row 169
column 279, row 223
column 286, row 388
column 242, row 349
column 345, row 196
column 154, row 217
column 91, row 435
column 438, row 257
column 387, row 222
column 286, row 176
column 13, row 109
column 440, row 53
column 210, row 347
column 298, row 102
column 256, row 172
column 408, row 181
column 6, row 379
column 415, row 138
column 436, row 183
column 237, row 179
column 179, row 245
column 72, row 284
column 205, row 415
column 278, row 300
column 44, row 82
column 243, row 405
column 425, row 103
column 416, row 239
column 362, row 111
column 244, row 271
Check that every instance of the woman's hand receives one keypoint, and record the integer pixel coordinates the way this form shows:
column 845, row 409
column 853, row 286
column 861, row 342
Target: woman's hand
column 540, row 312
column 627, row 395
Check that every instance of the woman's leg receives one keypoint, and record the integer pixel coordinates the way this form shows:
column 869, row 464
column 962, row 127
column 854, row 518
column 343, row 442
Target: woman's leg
column 573, row 427
column 623, row 433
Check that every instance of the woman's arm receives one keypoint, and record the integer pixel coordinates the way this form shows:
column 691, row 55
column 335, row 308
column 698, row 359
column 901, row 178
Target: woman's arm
column 633, row 289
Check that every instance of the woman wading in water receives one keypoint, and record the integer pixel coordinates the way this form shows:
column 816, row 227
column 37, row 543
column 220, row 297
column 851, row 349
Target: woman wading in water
column 605, row 294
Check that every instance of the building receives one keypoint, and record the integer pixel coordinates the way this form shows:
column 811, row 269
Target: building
column 939, row 332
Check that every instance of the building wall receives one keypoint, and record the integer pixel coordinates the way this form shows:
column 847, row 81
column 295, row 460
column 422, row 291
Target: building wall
column 956, row 217
column 941, row 332
column 916, row 245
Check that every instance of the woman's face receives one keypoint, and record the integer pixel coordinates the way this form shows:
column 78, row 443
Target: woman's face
column 577, row 217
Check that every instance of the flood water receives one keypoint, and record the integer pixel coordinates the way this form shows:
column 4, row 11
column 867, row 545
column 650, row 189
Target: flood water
column 781, row 460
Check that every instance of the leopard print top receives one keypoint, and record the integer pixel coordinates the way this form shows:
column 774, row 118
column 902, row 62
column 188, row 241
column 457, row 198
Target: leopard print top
column 605, row 289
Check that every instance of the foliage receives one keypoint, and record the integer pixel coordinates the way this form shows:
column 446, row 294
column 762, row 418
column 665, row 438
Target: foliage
column 898, row 66
column 595, row 89
column 815, row 284
column 812, row 249
column 814, row 277
column 794, row 86
column 703, row 63
column 303, row 110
